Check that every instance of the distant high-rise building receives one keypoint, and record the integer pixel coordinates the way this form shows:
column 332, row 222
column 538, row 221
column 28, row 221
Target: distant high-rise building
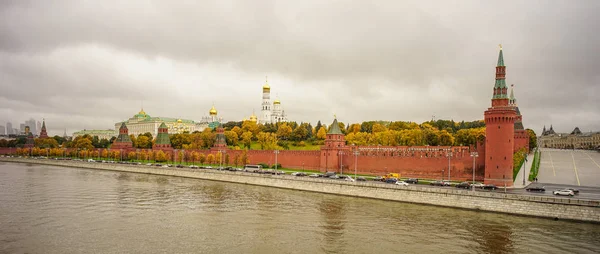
column 2, row 130
column 9, row 128
column 38, row 127
column 22, row 128
column 32, row 126
column 15, row 131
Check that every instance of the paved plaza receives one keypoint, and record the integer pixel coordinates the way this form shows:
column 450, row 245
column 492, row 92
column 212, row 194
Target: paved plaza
column 570, row 167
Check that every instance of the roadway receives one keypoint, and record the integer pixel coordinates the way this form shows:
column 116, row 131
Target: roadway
column 577, row 168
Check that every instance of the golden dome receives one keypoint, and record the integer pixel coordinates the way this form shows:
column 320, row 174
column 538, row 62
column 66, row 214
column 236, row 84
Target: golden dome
column 277, row 102
column 179, row 121
column 253, row 117
column 213, row 111
column 266, row 87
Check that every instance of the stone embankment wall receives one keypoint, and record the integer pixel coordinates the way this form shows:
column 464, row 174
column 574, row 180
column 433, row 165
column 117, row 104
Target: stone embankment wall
column 548, row 207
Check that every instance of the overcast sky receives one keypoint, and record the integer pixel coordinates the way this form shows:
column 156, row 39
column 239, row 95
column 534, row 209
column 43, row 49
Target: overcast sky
column 88, row 64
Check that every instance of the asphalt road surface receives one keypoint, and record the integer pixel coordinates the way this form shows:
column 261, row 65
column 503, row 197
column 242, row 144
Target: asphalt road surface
column 570, row 167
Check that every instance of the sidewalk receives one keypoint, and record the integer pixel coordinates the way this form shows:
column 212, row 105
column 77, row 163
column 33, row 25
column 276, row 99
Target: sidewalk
column 519, row 179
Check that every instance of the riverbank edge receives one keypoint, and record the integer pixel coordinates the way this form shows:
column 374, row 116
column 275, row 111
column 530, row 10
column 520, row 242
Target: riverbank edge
column 534, row 206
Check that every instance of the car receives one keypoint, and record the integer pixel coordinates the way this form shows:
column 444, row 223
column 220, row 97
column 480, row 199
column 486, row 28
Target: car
column 334, row 177
column 463, row 185
column 489, row 187
column 179, row 166
column 477, row 185
column 564, row 193
column 402, row 183
column 361, row 178
column 349, row 179
column 193, row 166
column 575, row 191
column 379, row 178
column 536, row 188
column 391, row 180
column 446, row 183
column 314, row 175
column 437, row 183
column 412, row 180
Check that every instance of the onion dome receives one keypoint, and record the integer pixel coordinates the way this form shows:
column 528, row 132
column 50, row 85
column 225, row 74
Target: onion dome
column 179, row 121
column 213, row 111
column 253, row 117
column 266, row 87
column 277, row 102
column 141, row 114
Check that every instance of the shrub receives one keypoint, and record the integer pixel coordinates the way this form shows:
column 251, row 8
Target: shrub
column 278, row 165
column 263, row 165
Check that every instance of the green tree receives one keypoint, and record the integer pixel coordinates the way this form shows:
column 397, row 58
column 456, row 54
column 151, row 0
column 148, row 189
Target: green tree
column 232, row 138
column 247, row 139
column 300, row 133
column 532, row 139
column 284, row 131
column 267, row 140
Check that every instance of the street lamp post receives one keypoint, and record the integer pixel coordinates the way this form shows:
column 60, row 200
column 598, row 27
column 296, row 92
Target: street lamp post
column 449, row 156
column 524, row 167
column 276, row 153
column 341, row 153
column 355, row 162
column 303, row 167
column 121, row 154
column 443, row 175
column 474, row 155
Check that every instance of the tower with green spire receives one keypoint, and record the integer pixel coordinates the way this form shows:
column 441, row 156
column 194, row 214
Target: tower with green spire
column 500, row 89
column 332, row 153
column 163, row 142
column 43, row 133
column 123, row 141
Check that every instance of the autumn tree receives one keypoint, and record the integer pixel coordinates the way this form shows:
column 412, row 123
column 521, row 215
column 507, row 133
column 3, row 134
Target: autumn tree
column 532, row 139
column 201, row 158
column 226, row 159
column 247, row 139
column 237, row 131
column 267, row 140
column 284, row 131
column 300, row 133
column 160, row 156
column 144, row 142
column 131, row 156
column 322, row 133
column 232, row 138
column 210, row 159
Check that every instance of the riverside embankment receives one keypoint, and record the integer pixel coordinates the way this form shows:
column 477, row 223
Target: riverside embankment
column 548, row 207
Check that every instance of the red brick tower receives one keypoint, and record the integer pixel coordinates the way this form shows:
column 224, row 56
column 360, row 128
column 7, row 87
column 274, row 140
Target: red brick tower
column 521, row 135
column 220, row 142
column 499, row 132
column 335, row 143
column 163, row 142
column 123, row 141
column 43, row 133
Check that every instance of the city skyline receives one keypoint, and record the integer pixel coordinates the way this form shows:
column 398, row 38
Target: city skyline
column 405, row 61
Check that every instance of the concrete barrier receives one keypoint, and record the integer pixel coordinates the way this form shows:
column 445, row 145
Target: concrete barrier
column 548, row 207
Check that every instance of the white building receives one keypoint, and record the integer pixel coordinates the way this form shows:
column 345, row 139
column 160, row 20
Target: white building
column 107, row 134
column 271, row 113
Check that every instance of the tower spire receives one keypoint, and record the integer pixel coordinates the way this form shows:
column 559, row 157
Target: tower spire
column 500, row 57
column 500, row 89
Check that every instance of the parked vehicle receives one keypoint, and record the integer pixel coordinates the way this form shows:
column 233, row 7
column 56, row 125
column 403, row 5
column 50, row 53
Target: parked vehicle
column 360, row 178
column 180, row 166
column 564, row 193
column 334, row 177
column 391, row 180
column 379, row 178
column 446, row 183
column 349, row 179
column 437, row 183
column 390, row 176
column 314, row 175
column 489, row 187
column 536, row 188
column 576, row 191
column 329, row 174
column 402, row 183
column 463, row 185
column 477, row 185
column 412, row 180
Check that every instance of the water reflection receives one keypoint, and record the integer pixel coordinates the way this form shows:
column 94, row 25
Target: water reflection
column 333, row 214
column 491, row 236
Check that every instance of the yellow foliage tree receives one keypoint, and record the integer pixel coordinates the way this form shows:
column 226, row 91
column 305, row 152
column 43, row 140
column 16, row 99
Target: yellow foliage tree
column 210, row 159
column 160, row 156
column 284, row 131
column 131, row 156
column 267, row 140
column 322, row 133
column 247, row 139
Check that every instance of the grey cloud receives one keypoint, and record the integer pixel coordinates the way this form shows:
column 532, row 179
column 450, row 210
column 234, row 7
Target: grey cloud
column 369, row 60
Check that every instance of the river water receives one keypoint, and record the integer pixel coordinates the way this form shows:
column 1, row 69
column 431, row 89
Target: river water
column 47, row 209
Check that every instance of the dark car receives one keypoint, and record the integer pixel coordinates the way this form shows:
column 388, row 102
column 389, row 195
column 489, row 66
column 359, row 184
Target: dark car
column 391, row 180
column 412, row 180
column 437, row 183
column 329, row 174
column 360, row 178
column 379, row 178
column 489, row 187
column 179, row 166
column 536, row 188
column 463, row 185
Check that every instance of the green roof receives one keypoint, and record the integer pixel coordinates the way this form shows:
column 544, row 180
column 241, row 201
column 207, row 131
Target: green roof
column 162, row 125
column 335, row 128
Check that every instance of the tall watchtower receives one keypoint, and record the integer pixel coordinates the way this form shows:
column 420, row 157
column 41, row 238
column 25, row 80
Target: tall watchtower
column 335, row 143
column 499, row 132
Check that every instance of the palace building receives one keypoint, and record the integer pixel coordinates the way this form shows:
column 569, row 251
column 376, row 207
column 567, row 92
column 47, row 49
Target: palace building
column 106, row 134
column 271, row 113
column 142, row 123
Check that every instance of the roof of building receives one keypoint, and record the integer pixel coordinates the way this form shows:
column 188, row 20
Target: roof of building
column 500, row 57
column 162, row 125
column 335, row 128
column 213, row 111
column 83, row 132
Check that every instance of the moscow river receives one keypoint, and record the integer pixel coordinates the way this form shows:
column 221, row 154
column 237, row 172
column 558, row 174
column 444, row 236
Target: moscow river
column 47, row 209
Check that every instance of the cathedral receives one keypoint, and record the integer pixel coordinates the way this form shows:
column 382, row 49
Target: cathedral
column 270, row 113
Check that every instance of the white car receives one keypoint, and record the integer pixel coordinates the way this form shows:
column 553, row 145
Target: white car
column 314, row 175
column 564, row 193
column 402, row 183
column 349, row 179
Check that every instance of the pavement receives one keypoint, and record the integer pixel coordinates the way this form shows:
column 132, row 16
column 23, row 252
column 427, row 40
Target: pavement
column 570, row 167
column 527, row 167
